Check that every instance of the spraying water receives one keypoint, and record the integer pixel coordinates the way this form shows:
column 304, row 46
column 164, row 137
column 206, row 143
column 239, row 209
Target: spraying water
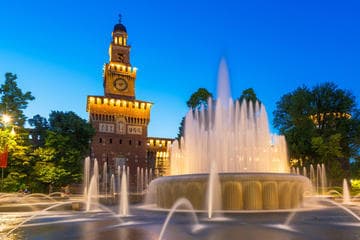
column 182, row 202
column 213, row 191
column 86, row 175
column 124, row 202
column 237, row 134
column 346, row 192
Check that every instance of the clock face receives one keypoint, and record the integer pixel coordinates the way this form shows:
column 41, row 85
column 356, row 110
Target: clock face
column 120, row 84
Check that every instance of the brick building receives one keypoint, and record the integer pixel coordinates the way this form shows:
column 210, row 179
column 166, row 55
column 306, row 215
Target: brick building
column 121, row 121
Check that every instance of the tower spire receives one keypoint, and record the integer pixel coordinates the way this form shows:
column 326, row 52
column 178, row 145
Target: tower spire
column 120, row 18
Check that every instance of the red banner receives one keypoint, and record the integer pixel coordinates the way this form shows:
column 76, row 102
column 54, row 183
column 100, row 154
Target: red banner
column 3, row 159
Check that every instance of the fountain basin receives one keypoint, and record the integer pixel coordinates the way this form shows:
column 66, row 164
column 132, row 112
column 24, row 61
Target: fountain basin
column 239, row 191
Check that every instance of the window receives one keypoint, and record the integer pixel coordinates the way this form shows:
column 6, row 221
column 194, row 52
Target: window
column 110, row 140
column 129, row 142
column 139, row 143
column 100, row 140
column 120, row 141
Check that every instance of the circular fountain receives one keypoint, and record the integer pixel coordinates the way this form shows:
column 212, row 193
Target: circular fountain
column 228, row 160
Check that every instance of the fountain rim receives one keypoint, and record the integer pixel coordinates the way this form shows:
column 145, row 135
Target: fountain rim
column 275, row 176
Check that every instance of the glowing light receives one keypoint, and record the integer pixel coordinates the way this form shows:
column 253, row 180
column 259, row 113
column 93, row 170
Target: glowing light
column 12, row 133
column 6, row 118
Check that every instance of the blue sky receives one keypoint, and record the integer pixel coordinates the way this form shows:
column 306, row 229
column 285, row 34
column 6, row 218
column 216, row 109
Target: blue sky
column 58, row 48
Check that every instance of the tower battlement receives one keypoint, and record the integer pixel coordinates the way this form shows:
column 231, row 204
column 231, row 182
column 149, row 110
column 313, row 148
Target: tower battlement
column 117, row 68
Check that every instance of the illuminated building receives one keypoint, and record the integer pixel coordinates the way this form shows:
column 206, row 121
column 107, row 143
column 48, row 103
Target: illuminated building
column 120, row 120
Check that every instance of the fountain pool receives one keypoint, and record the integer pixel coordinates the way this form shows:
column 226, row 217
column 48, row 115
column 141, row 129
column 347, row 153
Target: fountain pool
column 252, row 164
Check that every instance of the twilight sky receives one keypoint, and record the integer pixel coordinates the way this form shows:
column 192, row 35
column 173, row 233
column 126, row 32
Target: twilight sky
column 58, row 48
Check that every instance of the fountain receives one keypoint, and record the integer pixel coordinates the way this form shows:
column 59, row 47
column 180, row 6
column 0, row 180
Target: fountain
column 252, row 163
column 227, row 161
column 124, row 202
column 92, row 193
column 346, row 193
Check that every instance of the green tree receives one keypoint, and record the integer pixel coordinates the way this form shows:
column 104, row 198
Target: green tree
column 66, row 145
column 39, row 126
column 196, row 100
column 318, row 129
column 13, row 100
column 12, row 103
column 248, row 95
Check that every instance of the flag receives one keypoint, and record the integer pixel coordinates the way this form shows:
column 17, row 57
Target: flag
column 3, row 159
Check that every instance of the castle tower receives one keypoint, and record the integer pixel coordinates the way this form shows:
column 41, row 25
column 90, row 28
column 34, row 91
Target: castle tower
column 119, row 76
column 120, row 120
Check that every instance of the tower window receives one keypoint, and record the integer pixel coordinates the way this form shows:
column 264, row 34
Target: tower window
column 139, row 143
column 129, row 142
column 110, row 140
column 120, row 141
column 100, row 140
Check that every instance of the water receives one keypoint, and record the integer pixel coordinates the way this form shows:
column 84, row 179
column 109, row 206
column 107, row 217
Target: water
column 182, row 202
column 237, row 134
column 124, row 202
column 112, row 186
column 304, row 172
column 86, row 175
column 346, row 192
column 323, row 179
column 141, row 180
column 146, row 177
column 213, row 191
column 312, row 175
column 92, row 196
column 138, row 179
column 105, row 179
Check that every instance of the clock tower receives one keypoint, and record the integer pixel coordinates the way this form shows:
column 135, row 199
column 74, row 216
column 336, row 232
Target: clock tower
column 119, row 75
column 120, row 120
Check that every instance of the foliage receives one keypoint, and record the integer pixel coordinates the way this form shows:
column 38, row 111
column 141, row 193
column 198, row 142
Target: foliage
column 66, row 144
column 13, row 137
column 53, row 156
column 198, row 98
column 248, row 95
column 19, row 160
column 327, row 149
column 316, row 127
column 39, row 126
column 13, row 100
column 355, row 184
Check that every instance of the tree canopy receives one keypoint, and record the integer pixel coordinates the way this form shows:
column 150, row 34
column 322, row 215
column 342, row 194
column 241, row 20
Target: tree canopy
column 66, row 145
column 13, row 100
column 321, row 125
column 198, row 98
column 53, row 156
column 248, row 95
